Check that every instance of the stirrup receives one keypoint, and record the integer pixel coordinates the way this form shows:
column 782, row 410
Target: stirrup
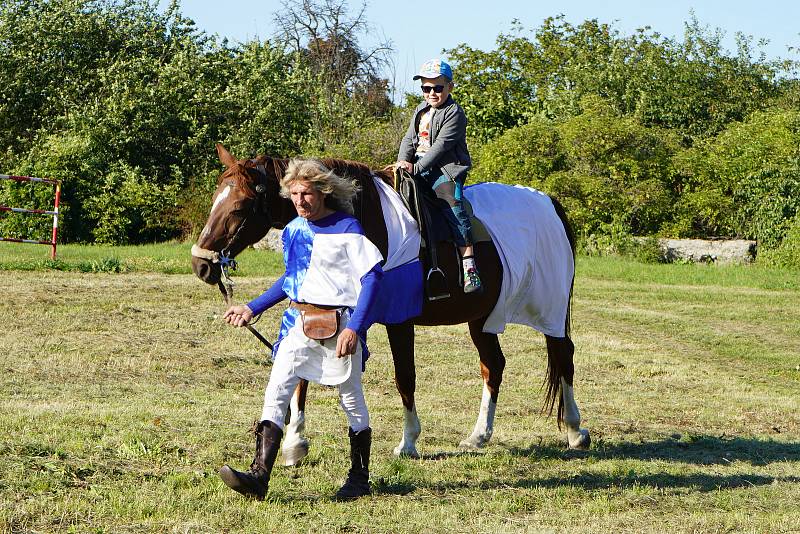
column 436, row 285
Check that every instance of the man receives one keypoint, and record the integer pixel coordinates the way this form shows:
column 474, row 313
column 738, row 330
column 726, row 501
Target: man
column 333, row 271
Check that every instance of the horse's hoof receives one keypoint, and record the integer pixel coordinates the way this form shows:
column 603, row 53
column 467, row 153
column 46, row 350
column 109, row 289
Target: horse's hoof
column 406, row 452
column 475, row 441
column 294, row 453
column 579, row 440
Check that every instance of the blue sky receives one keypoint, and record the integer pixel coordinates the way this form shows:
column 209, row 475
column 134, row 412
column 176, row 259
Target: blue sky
column 419, row 32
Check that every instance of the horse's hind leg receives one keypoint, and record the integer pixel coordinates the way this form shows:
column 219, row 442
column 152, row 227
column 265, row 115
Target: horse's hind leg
column 492, row 364
column 560, row 374
column 295, row 445
column 401, row 341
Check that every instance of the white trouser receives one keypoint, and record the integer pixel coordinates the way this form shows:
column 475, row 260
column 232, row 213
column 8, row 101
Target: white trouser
column 284, row 379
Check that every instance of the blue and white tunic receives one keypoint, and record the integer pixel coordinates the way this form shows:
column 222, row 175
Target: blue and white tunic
column 328, row 262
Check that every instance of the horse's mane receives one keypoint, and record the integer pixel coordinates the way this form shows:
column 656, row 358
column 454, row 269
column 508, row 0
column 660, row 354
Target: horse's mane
column 244, row 181
column 356, row 170
column 343, row 167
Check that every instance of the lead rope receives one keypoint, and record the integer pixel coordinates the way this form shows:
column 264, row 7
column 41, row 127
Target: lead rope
column 226, row 283
column 226, row 288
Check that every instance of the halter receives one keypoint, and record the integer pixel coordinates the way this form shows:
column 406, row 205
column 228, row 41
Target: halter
column 223, row 257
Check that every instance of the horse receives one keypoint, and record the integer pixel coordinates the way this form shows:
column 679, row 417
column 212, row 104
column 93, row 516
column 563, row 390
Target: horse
column 247, row 203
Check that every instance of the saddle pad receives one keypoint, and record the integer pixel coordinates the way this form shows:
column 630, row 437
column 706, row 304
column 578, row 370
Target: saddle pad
column 538, row 266
column 479, row 231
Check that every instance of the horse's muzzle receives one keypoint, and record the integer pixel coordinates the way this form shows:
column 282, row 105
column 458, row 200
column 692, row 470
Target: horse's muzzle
column 206, row 270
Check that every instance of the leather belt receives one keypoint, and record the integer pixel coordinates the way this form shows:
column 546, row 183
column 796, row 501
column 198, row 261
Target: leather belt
column 305, row 306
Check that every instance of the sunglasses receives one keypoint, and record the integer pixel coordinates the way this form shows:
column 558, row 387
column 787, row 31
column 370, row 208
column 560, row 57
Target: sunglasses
column 436, row 89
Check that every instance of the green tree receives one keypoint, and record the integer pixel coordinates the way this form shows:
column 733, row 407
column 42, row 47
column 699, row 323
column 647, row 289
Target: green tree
column 745, row 182
column 694, row 85
column 137, row 140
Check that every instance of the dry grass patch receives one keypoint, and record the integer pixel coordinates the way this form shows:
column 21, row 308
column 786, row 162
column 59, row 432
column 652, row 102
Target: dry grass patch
column 122, row 394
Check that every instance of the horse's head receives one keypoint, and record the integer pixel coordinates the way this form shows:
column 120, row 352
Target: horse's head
column 246, row 204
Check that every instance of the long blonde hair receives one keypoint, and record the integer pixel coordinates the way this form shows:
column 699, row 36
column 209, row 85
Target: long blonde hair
column 339, row 192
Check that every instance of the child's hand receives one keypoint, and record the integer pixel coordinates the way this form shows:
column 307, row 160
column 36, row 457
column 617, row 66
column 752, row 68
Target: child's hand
column 406, row 165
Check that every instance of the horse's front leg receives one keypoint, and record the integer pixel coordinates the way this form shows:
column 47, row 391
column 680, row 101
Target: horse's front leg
column 492, row 364
column 295, row 445
column 401, row 341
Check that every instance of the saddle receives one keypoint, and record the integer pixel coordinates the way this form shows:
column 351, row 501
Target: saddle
column 429, row 212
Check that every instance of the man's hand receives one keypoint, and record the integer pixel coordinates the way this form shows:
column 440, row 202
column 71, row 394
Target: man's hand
column 346, row 343
column 238, row 315
column 407, row 165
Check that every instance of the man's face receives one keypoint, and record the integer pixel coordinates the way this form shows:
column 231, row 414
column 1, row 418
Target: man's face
column 432, row 97
column 309, row 203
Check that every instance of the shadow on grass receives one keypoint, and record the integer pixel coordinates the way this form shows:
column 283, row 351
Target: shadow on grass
column 444, row 455
column 696, row 481
column 694, row 449
column 705, row 450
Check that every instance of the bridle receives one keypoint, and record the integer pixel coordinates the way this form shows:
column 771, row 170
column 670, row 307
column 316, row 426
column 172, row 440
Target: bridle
column 226, row 262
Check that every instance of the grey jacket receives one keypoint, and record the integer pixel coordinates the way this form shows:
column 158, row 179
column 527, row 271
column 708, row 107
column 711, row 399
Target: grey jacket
column 448, row 141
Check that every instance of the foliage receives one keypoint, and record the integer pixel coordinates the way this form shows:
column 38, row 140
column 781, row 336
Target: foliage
column 744, row 182
column 692, row 86
column 525, row 155
column 606, row 169
column 617, row 170
column 787, row 254
column 155, row 94
column 369, row 140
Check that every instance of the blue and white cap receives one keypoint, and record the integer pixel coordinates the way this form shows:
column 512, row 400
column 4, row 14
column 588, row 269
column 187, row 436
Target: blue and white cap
column 433, row 69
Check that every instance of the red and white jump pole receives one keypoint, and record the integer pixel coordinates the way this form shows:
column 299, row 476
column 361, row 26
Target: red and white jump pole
column 54, row 212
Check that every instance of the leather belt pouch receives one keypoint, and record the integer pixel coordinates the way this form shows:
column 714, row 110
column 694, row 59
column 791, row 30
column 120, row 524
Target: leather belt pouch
column 318, row 323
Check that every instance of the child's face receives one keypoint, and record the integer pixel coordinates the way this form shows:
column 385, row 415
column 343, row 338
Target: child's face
column 432, row 97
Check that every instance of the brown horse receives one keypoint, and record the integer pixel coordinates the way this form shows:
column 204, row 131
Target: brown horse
column 247, row 203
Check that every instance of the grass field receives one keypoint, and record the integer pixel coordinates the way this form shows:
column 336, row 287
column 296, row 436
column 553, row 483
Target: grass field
column 122, row 393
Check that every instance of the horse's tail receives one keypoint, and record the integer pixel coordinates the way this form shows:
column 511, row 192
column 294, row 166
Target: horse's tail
column 560, row 350
column 562, row 215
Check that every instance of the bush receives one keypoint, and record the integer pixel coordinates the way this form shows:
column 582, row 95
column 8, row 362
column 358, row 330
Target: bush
column 787, row 255
column 523, row 155
column 607, row 170
column 370, row 140
column 745, row 182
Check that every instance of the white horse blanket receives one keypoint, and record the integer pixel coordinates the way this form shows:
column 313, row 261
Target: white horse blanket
column 535, row 253
column 538, row 265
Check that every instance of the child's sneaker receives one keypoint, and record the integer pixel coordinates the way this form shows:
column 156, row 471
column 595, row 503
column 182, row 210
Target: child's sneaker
column 472, row 282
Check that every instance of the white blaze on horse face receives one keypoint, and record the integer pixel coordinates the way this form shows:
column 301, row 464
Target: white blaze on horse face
column 222, row 196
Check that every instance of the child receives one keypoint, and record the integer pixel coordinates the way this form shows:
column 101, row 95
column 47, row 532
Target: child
column 435, row 149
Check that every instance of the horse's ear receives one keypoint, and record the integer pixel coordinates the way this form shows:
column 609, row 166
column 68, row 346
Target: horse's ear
column 225, row 156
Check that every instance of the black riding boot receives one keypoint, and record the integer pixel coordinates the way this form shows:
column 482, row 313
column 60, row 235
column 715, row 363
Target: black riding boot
column 254, row 482
column 357, row 483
